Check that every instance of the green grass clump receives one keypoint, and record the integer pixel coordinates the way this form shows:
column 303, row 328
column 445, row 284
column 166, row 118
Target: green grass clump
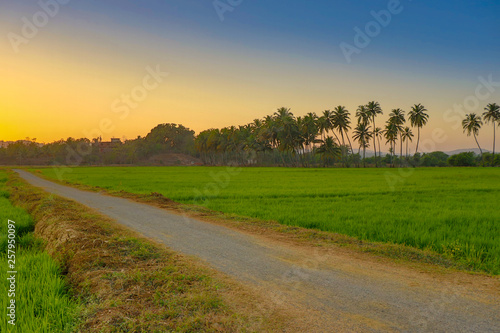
column 452, row 211
column 42, row 303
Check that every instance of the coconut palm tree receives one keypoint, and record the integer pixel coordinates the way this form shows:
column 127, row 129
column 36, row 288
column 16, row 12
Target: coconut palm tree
column 256, row 140
column 471, row 125
column 391, row 134
column 322, row 124
column 407, row 135
column 379, row 134
column 257, row 124
column 201, row 146
column 300, row 135
column 418, row 118
column 341, row 122
column 397, row 117
column 363, row 115
column 492, row 114
column 310, row 129
column 363, row 134
column 288, row 131
column 374, row 109
column 328, row 120
column 282, row 113
column 269, row 131
column 328, row 150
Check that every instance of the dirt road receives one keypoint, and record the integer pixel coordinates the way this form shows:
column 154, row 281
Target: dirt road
column 334, row 292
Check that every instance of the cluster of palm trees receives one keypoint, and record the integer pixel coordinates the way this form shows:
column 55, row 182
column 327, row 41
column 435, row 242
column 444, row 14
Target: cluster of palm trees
column 473, row 123
column 282, row 138
column 394, row 128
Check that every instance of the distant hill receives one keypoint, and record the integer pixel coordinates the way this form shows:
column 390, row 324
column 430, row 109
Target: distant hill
column 458, row 151
column 370, row 153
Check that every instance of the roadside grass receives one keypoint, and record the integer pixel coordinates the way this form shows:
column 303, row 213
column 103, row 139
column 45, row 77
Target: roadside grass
column 129, row 284
column 41, row 295
column 449, row 212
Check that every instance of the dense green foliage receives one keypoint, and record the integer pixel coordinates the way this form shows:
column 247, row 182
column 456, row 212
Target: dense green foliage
column 164, row 138
column 42, row 304
column 284, row 139
column 453, row 211
column 169, row 138
column 462, row 159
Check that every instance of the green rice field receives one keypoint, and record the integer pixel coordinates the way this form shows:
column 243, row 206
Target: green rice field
column 454, row 211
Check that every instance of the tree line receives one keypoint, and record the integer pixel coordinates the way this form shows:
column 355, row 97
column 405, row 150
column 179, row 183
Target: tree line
column 163, row 139
column 282, row 138
column 329, row 139
column 333, row 138
column 473, row 123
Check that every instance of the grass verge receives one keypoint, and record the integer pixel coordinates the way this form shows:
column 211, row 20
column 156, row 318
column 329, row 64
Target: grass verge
column 42, row 303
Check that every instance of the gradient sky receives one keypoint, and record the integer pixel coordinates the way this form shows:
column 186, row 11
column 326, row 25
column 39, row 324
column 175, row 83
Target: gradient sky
column 65, row 80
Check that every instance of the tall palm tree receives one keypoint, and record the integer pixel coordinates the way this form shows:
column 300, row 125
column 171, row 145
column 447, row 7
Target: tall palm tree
column 397, row 117
column 407, row 136
column 328, row 150
column 322, row 125
column 363, row 115
column 391, row 134
column 374, row 109
column 418, row 118
column 310, row 129
column 492, row 114
column 328, row 119
column 471, row 125
column 200, row 144
column 256, row 124
column 342, row 121
column 379, row 134
column 288, row 131
column 256, row 140
column 282, row 113
column 269, row 131
column 363, row 134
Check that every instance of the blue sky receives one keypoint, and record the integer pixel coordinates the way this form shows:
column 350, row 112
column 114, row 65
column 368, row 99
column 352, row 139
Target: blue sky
column 451, row 33
column 459, row 34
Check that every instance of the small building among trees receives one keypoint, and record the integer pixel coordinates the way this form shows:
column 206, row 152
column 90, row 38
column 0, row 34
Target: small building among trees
column 106, row 146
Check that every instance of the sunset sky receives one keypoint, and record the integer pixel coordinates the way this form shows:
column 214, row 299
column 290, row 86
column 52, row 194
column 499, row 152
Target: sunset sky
column 67, row 77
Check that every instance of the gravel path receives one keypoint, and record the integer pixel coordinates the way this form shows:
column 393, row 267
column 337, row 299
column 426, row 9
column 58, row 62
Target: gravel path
column 339, row 299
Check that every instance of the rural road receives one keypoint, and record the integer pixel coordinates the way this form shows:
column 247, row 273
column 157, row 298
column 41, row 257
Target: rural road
column 339, row 294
